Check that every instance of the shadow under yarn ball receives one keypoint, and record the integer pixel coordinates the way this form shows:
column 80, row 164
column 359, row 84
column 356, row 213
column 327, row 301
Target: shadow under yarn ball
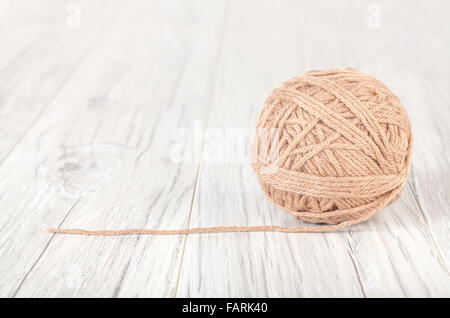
column 332, row 146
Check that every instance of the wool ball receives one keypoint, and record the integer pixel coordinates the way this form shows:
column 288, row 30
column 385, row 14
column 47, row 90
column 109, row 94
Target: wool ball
column 332, row 147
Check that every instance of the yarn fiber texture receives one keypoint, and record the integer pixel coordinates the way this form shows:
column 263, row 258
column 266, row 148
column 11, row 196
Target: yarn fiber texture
column 341, row 151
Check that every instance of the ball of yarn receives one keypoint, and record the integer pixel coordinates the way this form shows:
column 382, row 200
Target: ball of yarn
column 332, row 147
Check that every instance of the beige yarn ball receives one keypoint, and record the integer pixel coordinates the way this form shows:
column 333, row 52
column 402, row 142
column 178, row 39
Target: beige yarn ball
column 332, row 146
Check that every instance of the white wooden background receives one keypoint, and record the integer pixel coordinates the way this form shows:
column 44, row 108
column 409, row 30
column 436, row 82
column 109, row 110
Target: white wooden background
column 91, row 93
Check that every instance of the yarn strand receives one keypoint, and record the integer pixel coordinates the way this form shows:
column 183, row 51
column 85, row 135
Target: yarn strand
column 204, row 230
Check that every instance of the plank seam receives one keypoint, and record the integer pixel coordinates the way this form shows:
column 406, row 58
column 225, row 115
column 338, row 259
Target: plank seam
column 43, row 251
column 212, row 90
column 419, row 207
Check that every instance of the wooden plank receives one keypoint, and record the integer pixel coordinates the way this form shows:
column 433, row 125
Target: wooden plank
column 41, row 50
column 391, row 255
column 35, row 67
column 430, row 176
column 423, row 86
column 423, row 89
column 101, row 158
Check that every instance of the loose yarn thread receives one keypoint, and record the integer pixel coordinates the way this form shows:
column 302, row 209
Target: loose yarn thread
column 342, row 153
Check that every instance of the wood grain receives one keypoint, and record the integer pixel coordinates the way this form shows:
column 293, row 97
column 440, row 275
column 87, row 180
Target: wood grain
column 101, row 158
column 99, row 130
column 34, row 68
